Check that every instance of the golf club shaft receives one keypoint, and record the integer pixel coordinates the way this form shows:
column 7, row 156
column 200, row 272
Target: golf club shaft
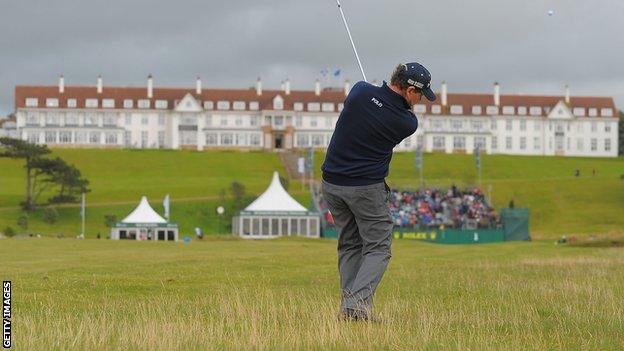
column 357, row 57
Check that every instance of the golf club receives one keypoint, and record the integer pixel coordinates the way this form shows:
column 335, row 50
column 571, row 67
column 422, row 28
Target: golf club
column 344, row 20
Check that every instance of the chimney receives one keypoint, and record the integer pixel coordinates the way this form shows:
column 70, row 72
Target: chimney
column 496, row 94
column 150, row 86
column 317, row 87
column 282, row 87
column 287, row 86
column 567, row 94
column 347, row 87
column 61, row 84
column 99, row 84
column 259, row 87
column 444, row 94
column 198, row 86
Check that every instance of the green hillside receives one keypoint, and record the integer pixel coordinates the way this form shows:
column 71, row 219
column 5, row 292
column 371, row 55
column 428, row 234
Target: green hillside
column 559, row 202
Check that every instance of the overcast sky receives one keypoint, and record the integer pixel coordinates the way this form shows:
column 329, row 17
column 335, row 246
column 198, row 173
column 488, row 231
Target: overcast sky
column 470, row 44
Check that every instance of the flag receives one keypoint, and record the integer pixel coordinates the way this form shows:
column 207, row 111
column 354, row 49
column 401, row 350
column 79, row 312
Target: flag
column 337, row 72
column 82, row 206
column 418, row 158
column 477, row 153
column 301, row 165
column 166, row 206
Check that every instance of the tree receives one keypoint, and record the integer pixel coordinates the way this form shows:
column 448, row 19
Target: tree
column 69, row 180
column 50, row 215
column 31, row 153
column 22, row 221
column 110, row 220
column 285, row 182
column 238, row 191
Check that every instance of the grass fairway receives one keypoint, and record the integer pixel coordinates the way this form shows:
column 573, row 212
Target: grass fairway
column 283, row 294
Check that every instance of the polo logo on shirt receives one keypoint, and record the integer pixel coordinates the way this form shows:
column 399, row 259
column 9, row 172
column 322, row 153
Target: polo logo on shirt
column 377, row 102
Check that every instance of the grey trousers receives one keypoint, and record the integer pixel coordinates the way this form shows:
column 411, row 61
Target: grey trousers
column 363, row 218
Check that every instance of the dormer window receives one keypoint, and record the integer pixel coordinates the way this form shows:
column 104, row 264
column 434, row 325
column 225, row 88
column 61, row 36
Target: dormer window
column 144, row 103
column 522, row 110
column 579, row 111
column 254, row 106
column 606, row 112
column 208, row 105
column 32, row 102
column 535, row 111
column 128, row 103
column 52, row 102
column 457, row 109
column 508, row 110
column 71, row 103
column 278, row 103
column 298, row 106
column 593, row 112
column 327, row 107
column 340, row 107
column 477, row 110
column 314, row 106
column 436, row 109
column 223, row 105
column 91, row 103
column 239, row 105
column 108, row 103
column 161, row 104
column 491, row 110
column 420, row 108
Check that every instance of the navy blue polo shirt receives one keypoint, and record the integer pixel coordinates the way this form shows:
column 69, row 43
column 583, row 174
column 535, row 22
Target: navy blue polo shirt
column 373, row 121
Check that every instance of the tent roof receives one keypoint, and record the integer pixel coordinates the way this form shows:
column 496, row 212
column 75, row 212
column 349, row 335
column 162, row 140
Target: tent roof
column 275, row 198
column 144, row 213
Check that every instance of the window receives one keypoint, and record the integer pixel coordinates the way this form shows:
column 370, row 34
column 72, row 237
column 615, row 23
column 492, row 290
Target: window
column 459, row 143
column 579, row 111
column 223, row 105
column 65, row 137
column 476, row 110
column 536, row 143
column 144, row 103
column 436, row 109
column 144, row 120
column 52, row 119
column 535, row 111
column 208, row 120
column 212, row 138
column 494, row 143
column 81, row 137
column 32, row 102
column 317, row 139
column 594, row 126
column 522, row 125
column 33, row 137
column 226, row 139
column 50, row 136
column 223, row 121
column 127, row 138
column 420, row 108
column 52, row 102
column 188, row 137
column 491, row 110
column 161, row 119
column 253, row 120
column 161, row 104
column 111, row 138
column 254, row 139
column 522, row 143
column 479, row 142
column 508, row 124
column 128, row 103
column 579, row 144
column 594, row 144
column 110, row 120
column 298, row 106
column 328, row 122
column 476, row 125
column 407, row 142
column 144, row 139
column 457, row 125
column 240, row 139
column 71, row 103
column 303, row 140
column 91, row 103
column 313, row 122
column 494, row 124
column 238, row 121
column 522, row 110
column 537, row 126
column 91, row 119
column 108, row 103
column 327, row 107
column 161, row 138
column 607, row 145
column 606, row 112
column 71, row 119
column 128, row 119
column 607, row 127
column 508, row 110
column 340, row 106
column 32, row 119
column 593, row 112
column 188, row 121
column 239, row 105
column 439, row 143
column 298, row 121
column 314, row 106
column 508, row 143
column 208, row 105
column 457, row 109
column 254, row 105
column 94, row 137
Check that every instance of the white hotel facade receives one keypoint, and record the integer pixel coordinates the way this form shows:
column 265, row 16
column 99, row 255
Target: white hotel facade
column 255, row 118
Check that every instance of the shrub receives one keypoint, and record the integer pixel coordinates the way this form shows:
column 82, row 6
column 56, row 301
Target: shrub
column 50, row 215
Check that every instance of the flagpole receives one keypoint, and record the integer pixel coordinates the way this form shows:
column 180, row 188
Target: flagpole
column 83, row 214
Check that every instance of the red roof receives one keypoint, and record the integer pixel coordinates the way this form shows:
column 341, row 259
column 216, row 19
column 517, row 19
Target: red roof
column 174, row 95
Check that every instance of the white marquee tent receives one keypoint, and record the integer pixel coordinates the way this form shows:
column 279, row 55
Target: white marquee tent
column 275, row 213
column 143, row 223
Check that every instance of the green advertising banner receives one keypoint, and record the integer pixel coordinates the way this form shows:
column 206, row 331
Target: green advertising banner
column 451, row 236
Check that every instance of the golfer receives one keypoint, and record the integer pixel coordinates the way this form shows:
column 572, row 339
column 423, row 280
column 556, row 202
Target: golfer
column 374, row 120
